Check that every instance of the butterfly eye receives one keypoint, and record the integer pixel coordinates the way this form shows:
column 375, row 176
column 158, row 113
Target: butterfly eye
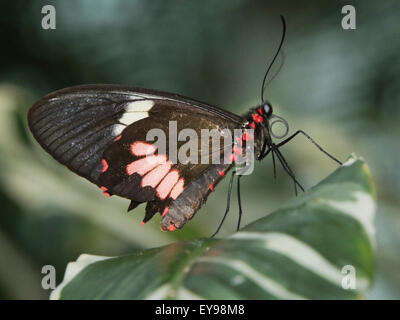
column 267, row 108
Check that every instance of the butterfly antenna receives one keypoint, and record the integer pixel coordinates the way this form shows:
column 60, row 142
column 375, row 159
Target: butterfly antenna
column 282, row 54
column 273, row 60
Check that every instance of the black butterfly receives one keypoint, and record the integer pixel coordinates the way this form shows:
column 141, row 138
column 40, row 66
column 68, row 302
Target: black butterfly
column 99, row 132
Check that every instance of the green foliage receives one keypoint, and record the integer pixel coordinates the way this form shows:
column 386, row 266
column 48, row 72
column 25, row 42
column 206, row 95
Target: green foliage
column 297, row 252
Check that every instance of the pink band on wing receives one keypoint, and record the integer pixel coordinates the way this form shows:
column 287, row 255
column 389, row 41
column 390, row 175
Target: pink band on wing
column 105, row 165
column 140, row 148
column 154, row 177
column 144, row 165
column 165, row 186
column 177, row 189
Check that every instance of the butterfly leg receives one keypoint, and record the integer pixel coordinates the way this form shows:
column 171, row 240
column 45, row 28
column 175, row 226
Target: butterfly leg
column 288, row 170
column 266, row 153
column 228, row 202
column 312, row 141
column 274, row 165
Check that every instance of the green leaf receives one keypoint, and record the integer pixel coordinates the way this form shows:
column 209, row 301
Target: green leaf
column 309, row 249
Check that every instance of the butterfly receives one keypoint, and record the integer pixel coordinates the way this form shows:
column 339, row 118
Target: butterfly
column 100, row 133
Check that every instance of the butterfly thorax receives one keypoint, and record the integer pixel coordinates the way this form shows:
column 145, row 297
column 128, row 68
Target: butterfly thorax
column 258, row 119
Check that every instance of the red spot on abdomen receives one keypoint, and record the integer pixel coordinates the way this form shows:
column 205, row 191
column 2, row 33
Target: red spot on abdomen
column 144, row 165
column 154, row 177
column 139, row 148
column 105, row 165
column 253, row 125
column 166, row 185
column 257, row 117
column 171, row 227
column 177, row 189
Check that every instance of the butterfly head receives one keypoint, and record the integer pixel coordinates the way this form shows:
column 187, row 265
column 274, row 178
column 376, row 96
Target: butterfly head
column 267, row 109
column 261, row 119
column 260, row 116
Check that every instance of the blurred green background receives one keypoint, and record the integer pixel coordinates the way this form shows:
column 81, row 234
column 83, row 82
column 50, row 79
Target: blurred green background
column 341, row 86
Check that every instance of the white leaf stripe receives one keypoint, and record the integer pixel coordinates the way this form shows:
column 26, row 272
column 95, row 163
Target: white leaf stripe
column 349, row 162
column 362, row 208
column 159, row 293
column 258, row 278
column 166, row 291
column 301, row 253
column 185, row 294
column 72, row 270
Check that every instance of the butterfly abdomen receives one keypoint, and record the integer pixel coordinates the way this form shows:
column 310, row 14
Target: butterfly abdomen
column 192, row 198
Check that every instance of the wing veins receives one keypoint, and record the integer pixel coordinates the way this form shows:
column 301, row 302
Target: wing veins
column 77, row 133
column 57, row 106
column 80, row 151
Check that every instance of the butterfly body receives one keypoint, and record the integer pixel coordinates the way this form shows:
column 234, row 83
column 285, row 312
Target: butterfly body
column 100, row 132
